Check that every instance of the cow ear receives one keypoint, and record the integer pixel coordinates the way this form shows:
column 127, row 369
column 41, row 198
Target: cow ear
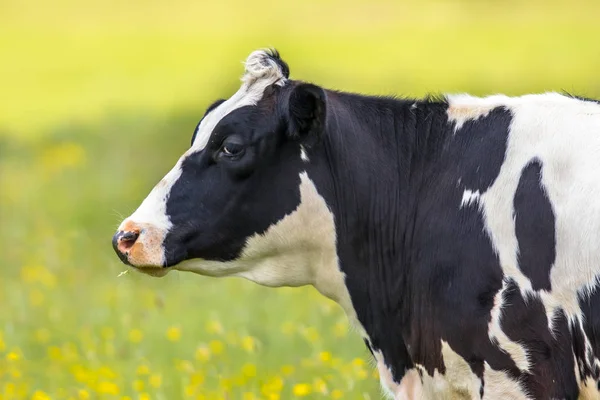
column 306, row 112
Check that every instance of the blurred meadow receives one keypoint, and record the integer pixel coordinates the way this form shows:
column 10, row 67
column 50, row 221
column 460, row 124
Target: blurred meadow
column 98, row 98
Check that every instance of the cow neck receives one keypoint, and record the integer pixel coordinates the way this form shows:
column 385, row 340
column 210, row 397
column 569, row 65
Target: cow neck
column 374, row 150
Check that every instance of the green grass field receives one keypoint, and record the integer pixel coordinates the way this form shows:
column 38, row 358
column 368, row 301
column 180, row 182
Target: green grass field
column 99, row 98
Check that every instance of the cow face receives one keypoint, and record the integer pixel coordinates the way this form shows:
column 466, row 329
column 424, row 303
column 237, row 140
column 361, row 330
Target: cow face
column 238, row 202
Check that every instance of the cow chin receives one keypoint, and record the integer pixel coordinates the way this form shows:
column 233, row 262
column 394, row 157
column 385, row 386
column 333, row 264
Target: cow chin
column 157, row 272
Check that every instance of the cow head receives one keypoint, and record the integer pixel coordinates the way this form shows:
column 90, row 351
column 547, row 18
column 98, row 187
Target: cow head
column 239, row 202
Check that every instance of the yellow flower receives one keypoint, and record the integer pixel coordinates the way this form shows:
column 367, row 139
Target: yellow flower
column 155, row 380
column 83, row 394
column 248, row 344
column 272, row 386
column 358, row 362
column 105, row 387
column 337, row 394
column 135, row 336
column 144, row 396
column 287, row 370
column 138, row 385
column 79, row 373
column 174, row 333
column 125, row 398
column 273, row 396
column 39, row 395
column 42, row 335
column 216, row 347
column 197, row 378
column 202, row 353
column 249, row 370
column 190, row 390
column 249, row 396
column 2, row 344
column 10, row 390
column 13, row 356
column 301, row 389
column 325, row 356
column 142, row 370
column 214, row 327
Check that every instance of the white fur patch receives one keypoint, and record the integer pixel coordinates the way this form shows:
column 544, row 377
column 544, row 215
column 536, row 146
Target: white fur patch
column 469, row 197
column 303, row 154
column 388, row 385
column 498, row 385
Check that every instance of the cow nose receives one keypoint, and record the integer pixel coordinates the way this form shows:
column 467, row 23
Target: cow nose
column 123, row 241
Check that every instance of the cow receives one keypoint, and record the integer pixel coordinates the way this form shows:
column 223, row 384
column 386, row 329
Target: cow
column 459, row 234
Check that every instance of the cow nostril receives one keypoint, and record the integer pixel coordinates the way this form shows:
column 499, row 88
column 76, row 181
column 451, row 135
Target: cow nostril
column 124, row 240
column 130, row 237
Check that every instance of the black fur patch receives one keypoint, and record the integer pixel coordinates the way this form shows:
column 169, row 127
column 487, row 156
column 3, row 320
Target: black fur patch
column 535, row 227
column 273, row 54
column 590, row 306
column 524, row 321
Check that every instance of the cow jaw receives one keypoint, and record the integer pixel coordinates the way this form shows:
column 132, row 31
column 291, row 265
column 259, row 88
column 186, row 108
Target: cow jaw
column 298, row 250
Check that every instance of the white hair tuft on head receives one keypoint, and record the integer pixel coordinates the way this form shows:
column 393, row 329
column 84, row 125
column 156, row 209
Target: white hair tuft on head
column 265, row 64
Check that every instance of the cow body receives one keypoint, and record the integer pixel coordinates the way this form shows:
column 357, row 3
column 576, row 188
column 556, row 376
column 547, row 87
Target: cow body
column 459, row 235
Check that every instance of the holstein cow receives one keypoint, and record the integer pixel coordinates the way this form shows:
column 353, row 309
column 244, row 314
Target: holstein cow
column 460, row 235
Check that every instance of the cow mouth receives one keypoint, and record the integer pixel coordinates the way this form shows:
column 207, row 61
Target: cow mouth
column 157, row 272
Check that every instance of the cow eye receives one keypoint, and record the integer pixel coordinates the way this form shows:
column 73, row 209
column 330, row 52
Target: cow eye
column 232, row 147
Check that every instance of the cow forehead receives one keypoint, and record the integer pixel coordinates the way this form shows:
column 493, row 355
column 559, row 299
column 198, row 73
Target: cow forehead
column 262, row 69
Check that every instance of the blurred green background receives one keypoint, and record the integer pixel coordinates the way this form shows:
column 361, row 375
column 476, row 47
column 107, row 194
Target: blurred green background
column 98, row 98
